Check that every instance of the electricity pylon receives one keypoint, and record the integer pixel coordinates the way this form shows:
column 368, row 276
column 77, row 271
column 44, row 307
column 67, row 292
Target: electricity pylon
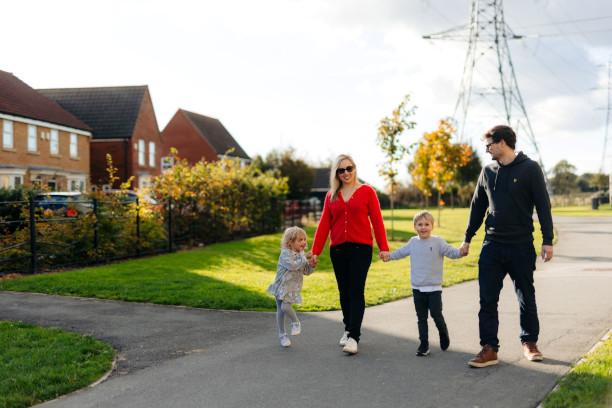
column 488, row 56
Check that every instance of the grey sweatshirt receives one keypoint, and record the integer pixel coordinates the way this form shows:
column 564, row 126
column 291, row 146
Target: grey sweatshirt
column 426, row 259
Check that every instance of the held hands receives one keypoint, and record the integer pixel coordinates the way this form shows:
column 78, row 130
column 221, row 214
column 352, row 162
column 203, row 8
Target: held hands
column 547, row 252
column 385, row 256
column 464, row 249
column 312, row 259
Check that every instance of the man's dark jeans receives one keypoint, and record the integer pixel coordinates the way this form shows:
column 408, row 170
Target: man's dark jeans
column 432, row 302
column 351, row 263
column 518, row 261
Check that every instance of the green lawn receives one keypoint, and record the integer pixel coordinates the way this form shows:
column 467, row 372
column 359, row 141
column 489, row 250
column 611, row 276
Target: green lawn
column 40, row 364
column 589, row 384
column 235, row 275
column 604, row 211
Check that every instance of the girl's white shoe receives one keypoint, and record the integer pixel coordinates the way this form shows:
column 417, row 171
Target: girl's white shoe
column 351, row 346
column 296, row 328
column 343, row 339
column 284, row 341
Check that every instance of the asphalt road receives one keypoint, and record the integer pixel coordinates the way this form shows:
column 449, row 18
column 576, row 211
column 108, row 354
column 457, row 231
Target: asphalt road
column 181, row 357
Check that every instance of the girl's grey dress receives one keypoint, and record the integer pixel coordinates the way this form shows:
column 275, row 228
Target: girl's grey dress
column 292, row 266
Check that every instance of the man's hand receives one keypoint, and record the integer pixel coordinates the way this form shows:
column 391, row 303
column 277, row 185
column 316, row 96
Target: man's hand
column 464, row 249
column 547, row 252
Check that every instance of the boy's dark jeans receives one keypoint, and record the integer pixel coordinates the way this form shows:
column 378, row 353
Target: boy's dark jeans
column 351, row 263
column 432, row 302
column 517, row 260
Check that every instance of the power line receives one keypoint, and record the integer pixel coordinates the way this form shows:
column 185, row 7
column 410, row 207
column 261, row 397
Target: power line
column 487, row 34
column 560, row 34
column 556, row 23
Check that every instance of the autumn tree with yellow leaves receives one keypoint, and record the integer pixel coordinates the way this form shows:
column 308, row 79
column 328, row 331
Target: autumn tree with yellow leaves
column 437, row 160
column 390, row 128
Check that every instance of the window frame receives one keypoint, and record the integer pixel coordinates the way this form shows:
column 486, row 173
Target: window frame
column 32, row 139
column 141, row 152
column 8, row 133
column 151, row 154
column 54, row 132
column 74, row 154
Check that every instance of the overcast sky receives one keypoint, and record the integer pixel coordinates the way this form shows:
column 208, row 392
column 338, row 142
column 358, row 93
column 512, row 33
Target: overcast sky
column 319, row 75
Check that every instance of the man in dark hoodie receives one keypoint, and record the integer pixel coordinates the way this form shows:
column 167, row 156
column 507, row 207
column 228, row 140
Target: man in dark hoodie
column 508, row 188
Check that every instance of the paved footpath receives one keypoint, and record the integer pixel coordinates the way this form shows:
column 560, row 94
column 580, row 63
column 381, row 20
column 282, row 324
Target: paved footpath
column 180, row 357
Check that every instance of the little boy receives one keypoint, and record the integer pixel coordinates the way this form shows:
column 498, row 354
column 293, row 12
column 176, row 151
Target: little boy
column 427, row 254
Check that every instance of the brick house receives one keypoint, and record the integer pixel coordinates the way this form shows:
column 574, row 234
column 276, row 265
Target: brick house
column 198, row 137
column 41, row 142
column 123, row 124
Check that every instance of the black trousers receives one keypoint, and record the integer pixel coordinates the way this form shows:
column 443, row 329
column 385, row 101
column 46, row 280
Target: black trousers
column 351, row 263
column 517, row 260
column 431, row 302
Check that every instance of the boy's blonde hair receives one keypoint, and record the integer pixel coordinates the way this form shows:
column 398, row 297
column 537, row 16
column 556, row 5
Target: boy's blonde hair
column 290, row 235
column 423, row 214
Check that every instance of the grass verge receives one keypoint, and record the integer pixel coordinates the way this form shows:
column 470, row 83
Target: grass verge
column 235, row 275
column 604, row 211
column 39, row 364
column 588, row 384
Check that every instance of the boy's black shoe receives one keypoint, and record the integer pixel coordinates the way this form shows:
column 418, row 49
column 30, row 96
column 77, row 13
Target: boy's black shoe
column 423, row 350
column 444, row 339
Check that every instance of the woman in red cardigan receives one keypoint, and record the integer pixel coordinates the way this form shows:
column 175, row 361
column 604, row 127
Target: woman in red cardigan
column 347, row 212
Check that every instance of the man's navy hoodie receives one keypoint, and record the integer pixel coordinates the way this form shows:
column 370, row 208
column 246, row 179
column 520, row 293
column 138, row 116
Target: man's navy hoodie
column 509, row 193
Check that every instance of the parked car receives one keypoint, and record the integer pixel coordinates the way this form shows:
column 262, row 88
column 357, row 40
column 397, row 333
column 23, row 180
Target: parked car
column 64, row 201
column 130, row 196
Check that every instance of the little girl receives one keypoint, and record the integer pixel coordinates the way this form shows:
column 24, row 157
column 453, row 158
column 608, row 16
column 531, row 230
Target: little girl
column 292, row 266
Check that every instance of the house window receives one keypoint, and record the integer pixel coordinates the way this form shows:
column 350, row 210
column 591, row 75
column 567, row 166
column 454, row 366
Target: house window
column 7, row 135
column 54, row 142
column 52, row 184
column 10, row 180
column 76, row 184
column 151, row 154
column 74, row 150
column 141, row 152
column 32, row 140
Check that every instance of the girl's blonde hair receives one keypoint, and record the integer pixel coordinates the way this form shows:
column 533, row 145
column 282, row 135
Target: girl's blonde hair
column 423, row 214
column 290, row 235
column 334, row 181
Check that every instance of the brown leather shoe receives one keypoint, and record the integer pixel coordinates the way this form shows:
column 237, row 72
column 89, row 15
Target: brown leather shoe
column 531, row 352
column 486, row 357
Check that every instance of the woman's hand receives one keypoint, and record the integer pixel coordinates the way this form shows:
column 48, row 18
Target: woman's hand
column 384, row 255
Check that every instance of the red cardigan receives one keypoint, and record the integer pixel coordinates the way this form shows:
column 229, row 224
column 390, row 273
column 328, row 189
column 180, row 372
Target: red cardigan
column 348, row 221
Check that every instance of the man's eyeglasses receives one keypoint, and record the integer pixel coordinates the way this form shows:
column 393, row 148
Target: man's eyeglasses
column 489, row 145
column 341, row 170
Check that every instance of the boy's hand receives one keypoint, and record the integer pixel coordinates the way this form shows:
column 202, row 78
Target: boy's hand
column 464, row 249
column 384, row 255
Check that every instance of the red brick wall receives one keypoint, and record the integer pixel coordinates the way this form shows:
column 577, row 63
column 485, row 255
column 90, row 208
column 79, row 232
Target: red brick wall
column 125, row 152
column 117, row 149
column 146, row 128
column 181, row 134
column 20, row 157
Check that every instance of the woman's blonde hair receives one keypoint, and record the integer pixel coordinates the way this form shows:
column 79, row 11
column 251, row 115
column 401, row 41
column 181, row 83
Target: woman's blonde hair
column 334, row 181
column 290, row 235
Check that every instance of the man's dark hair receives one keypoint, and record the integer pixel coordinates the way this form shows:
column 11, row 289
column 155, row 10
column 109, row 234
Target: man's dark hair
column 500, row 132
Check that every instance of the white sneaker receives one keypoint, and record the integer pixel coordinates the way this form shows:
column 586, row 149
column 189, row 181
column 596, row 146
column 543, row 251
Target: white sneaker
column 351, row 346
column 284, row 341
column 296, row 328
column 343, row 339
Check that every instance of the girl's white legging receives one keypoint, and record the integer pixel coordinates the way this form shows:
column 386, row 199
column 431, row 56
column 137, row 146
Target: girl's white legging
column 282, row 309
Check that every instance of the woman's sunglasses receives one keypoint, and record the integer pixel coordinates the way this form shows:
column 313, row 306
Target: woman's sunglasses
column 341, row 170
